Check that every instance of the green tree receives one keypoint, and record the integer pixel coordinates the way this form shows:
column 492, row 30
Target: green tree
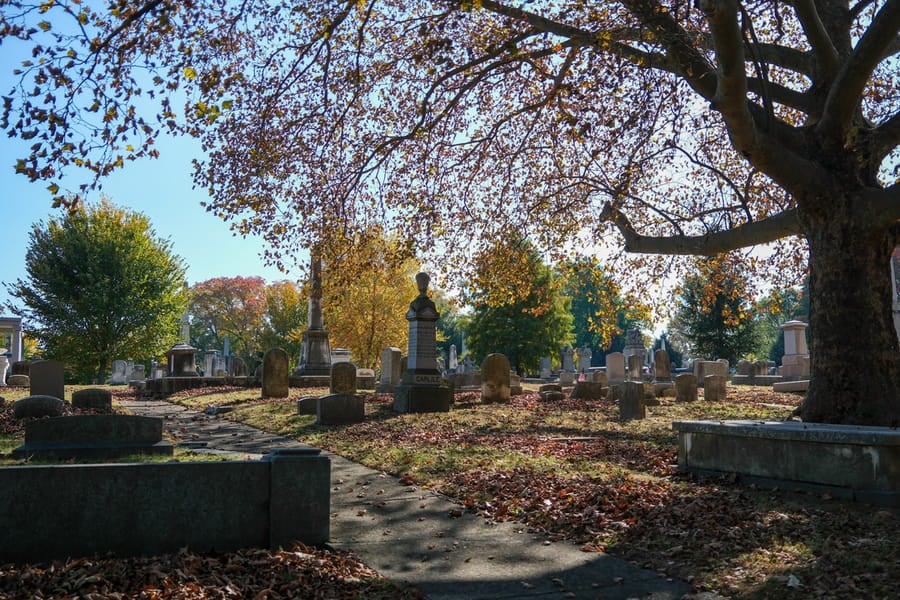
column 714, row 312
column 231, row 307
column 601, row 312
column 689, row 128
column 525, row 317
column 100, row 286
column 450, row 325
column 285, row 318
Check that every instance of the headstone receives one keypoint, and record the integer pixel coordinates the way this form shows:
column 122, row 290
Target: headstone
column 308, row 405
column 795, row 362
column 210, row 358
column 760, row 367
column 421, row 387
column 4, row 366
column 551, row 392
column 714, row 388
column 365, row 379
column 390, row 370
column 36, row 407
column 587, row 390
column 48, row 379
column 20, row 367
column 661, row 367
column 615, row 367
column 275, row 374
column 119, row 375
column 584, row 359
column 546, row 371
column 567, row 360
column 599, row 376
column 340, row 409
column 137, row 374
column 92, row 399
column 744, row 368
column 340, row 355
column 343, row 378
column 18, row 380
column 635, row 368
column 631, row 404
column 495, row 379
column 453, row 363
column 686, row 387
column 515, row 384
column 238, row 367
column 634, row 345
column 566, row 378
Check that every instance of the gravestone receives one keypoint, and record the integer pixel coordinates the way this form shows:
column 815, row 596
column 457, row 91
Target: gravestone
column 238, row 367
column 795, row 362
column 343, row 378
column 20, row 367
column 686, row 387
column 634, row 345
column 495, row 379
column 661, row 367
column 515, row 384
column 365, row 379
column 587, row 390
column 275, row 374
column 308, row 405
column 744, row 368
column 342, row 406
column 566, row 378
column 92, row 398
column 546, row 371
column 37, row 407
column 567, row 360
column 137, row 375
column 714, row 388
column 421, row 387
column 18, row 380
column 584, row 359
column 615, row 367
column 631, row 403
column 48, row 379
column 390, row 370
column 453, row 363
column 599, row 376
column 635, row 370
column 550, row 392
column 4, row 366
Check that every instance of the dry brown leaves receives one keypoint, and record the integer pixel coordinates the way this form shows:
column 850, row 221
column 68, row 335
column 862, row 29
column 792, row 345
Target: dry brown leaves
column 302, row 572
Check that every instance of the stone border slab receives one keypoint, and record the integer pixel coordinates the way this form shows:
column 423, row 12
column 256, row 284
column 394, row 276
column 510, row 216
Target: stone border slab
column 851, row 461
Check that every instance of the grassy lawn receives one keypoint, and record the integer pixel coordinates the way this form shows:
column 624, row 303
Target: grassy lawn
column 574, row 471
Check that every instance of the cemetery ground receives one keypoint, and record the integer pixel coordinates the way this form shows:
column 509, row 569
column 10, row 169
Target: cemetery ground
column 570, row 471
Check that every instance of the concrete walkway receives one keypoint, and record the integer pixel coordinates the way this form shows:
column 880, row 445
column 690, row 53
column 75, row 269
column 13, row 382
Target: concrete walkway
column 414, row 535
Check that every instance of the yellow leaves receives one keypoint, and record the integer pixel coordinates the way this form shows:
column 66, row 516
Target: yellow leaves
column 189, row 73
column 53, row 188
column 44, row 26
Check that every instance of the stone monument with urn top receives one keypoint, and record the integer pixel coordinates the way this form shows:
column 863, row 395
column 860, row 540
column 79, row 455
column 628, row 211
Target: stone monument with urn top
column 421, row 387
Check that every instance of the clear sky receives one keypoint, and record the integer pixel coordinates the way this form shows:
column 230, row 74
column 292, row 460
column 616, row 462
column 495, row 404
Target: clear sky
column 161, row 189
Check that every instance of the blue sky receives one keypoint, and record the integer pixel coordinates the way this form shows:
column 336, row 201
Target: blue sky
column 161, row 189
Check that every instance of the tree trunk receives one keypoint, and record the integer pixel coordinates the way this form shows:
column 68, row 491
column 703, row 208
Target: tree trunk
column 101, row 371
column 854, row 352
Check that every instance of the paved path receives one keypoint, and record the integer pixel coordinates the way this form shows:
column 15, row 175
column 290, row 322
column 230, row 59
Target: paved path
column 412, row 534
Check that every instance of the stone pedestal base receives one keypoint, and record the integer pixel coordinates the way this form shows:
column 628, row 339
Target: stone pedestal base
column 307, row 381
column 413, row 398
column 315, row 354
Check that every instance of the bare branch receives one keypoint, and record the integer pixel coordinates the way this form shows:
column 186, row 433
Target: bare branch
column 127, row 22
column 767, row 230
column 842, row 103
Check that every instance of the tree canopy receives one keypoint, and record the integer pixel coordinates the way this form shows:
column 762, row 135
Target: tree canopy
column 673, row 127
column 100, row 286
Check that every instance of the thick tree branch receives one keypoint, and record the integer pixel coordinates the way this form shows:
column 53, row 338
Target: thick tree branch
column 749, row 234
column 825, row 52
column 843, row 99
